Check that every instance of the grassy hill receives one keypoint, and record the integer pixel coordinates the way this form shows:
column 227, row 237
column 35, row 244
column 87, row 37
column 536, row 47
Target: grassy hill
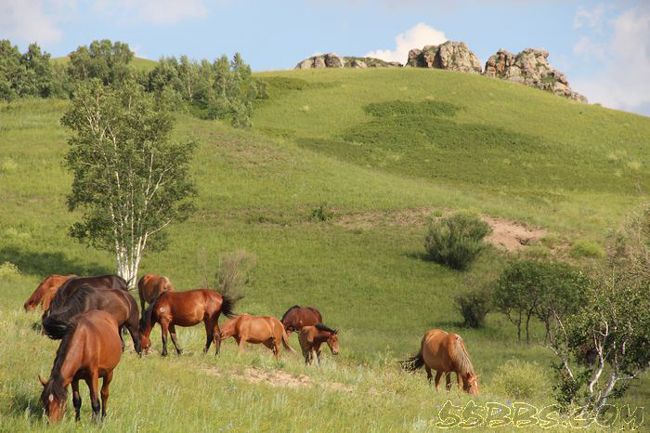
column 379, row 149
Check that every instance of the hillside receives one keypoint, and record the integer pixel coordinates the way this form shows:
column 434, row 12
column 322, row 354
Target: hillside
column 381, row 150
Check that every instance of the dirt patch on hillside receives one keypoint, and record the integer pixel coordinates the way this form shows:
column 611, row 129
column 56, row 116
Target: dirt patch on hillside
column 280, row 378
column 506, row 234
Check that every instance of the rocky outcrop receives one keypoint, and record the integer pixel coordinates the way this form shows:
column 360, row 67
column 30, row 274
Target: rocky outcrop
column 332, row 60
column 453, row 56
column 530, row 67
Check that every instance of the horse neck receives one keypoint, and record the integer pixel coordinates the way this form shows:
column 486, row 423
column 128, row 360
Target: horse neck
column 227, row 330
column 67, row 361
column 461, row 360
column 322, row 336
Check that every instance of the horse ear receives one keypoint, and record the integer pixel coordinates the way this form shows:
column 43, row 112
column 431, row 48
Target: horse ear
column 43, row 381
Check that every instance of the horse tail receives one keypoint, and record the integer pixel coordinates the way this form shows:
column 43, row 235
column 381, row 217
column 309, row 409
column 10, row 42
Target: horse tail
column 461, row 357
column 285, row 342
column 287, row 312
column 128, row 283
column 227, row 305
column 413, row 363
column 56, row 323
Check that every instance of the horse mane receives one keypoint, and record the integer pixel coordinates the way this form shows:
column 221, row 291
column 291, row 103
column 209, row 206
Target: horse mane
column 322, row 327
column 55, row 384
column 461, row 358
column 58, row 321
column 287, row 312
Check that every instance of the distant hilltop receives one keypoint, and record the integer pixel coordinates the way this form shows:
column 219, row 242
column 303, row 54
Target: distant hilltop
column 529, row 67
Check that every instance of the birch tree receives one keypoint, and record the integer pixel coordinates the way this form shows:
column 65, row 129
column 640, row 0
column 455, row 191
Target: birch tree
column 131, row 181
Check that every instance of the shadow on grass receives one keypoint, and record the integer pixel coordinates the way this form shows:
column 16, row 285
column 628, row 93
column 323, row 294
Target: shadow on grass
column 423, row 257
column 26, row 405
column 47, row 263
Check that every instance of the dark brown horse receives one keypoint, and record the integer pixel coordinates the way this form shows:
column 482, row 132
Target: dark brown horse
column 264, row 330
column 186, row 309
column 151, row 286
column 89, row 350
column 445, row 352
column 312, row 337
column 296, row 317
column 75, row 298
column 45, row 292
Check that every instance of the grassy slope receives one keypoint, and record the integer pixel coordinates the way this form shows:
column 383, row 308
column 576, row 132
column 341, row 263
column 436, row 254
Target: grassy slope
column 256, row 193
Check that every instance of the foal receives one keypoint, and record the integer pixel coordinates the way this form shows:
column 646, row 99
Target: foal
column 264, row 330
column 311, row 338
column 90, row 350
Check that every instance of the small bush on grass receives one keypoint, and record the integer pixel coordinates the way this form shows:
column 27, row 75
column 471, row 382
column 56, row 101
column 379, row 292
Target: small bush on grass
column 521, row 380
column 9, row 271
column 586, row 248
column 321, row 213
column 234, row 273
column 456, row 241
column 473, row 303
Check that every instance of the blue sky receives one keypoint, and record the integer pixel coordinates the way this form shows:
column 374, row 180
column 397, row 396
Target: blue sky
column 602, row 46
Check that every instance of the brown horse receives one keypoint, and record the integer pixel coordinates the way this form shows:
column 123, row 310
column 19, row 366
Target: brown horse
column 445, row 352
column 186, row 309
column 296, row 317
column 311, row 338
column 90, row 350
column 73, row 299
column 151, row 286
column 264, row 330
column 45, row 292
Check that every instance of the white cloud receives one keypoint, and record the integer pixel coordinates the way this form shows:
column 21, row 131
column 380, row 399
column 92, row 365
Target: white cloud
column 415, row 37
column 587, row 48
column 28, row 21
column 154, row 11
column 589, row 18
column 624, row 83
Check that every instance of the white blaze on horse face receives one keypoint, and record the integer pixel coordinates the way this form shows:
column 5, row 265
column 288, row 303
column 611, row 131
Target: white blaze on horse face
column 51, row 398
column 162, row 310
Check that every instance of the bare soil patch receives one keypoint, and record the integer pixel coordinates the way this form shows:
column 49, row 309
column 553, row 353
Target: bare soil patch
column 280, row 378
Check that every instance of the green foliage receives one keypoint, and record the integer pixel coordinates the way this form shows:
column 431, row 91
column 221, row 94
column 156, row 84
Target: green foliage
column 25, row 75
column 130, row 180
column 321, row 213
column 586, row 248
column 234, row 274
column 456, row 241
column 104, row 60
column 9, row 271
column 532, row 288
column 474, row 303
column 404, row 108
column 521, row 380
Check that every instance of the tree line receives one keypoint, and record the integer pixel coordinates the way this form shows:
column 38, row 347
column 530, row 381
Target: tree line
column 222, row 89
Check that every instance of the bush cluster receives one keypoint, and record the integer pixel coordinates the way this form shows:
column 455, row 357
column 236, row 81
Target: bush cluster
column 456, row 241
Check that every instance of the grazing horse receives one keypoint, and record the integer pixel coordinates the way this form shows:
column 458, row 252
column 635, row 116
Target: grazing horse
column 89, row 350
column 186, row 309
column 151, row 286
column 73, row 299
column 266, row 330
column 311, row 338
column 45, row 292
column 445, row 352
column 296, row 317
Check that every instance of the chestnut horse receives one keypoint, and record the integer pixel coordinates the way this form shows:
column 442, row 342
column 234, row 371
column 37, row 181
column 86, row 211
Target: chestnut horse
column 151, row 286
column 78, row 296
column 186, row 309
column 91, row 349
column 264, row 330
column 445, row 352
column 311, row 338
column 45, row 292
column 296, row 317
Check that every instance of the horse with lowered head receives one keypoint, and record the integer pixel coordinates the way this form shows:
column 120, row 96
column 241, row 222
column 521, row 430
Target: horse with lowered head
column 264, row 330
column 89, row 350
column 296, row 317
column 45, row 292
column 445, row 352
column 185, row 309
column 79, row 295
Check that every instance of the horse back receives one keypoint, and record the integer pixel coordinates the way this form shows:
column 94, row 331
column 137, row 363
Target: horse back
column 99, row 331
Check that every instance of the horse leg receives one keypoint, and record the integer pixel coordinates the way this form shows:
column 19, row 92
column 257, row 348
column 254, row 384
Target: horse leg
column 217, row 334
column 119, row 331
column 76, row 400
column 438, row 376
column 93, row 383
column 448, row 380
column 209, row 333
column 105, row 383
column 241, row 342
column 429, row 375
column 459, row 379
column 172, row 332
column 164, row 326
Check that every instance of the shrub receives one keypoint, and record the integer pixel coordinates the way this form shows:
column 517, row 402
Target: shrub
column 456, row 241
column 234, row 273
column 521, row 380
column 321, row 213
column 473, row 304
column 586, row 248
column 9, row 271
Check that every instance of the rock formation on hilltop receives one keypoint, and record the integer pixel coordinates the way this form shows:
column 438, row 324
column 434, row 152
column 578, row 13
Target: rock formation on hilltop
column 530, row 67
column 454, row 56
column 332, row 60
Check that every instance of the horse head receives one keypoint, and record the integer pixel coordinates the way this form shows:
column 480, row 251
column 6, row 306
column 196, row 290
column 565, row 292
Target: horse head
column 470, row 383
column 54, row 399
column 333, row 342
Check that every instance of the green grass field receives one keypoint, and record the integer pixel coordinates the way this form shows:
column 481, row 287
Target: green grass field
column 380, row 149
